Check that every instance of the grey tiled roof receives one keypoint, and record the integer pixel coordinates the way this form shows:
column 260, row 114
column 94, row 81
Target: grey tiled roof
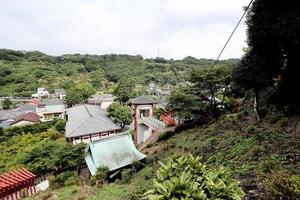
column 8, row 114
column 88, row 119
column 26, row 108
column 142, row 100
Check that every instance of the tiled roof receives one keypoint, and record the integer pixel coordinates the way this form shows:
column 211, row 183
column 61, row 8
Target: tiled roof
column 142, row 100
column 88, row 119
column 31, row 117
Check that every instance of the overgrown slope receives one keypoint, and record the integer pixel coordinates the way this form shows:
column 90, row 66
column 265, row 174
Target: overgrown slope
column 252, row 151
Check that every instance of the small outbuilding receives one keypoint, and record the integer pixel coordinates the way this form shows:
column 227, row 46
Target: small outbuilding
column 114, row 152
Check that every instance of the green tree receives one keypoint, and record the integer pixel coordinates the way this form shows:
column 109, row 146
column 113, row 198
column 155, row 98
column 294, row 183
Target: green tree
column 187, row 178
column 53, row 157
column 122, row 115
column 60, row 125
column 97, row 77
column 274, row 45
column 211, row 82
column 6, row 104
column 79, row 93
column 185, row 104
column 124, row 90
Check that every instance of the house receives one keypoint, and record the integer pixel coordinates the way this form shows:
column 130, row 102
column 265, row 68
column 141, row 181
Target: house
column 86, row 123
column 7, row 117
column 103, row 100
column 26, row 119
column 13, row 113
column 60, row 94
column 114, row 152
column 50, row 110
column 41, row 93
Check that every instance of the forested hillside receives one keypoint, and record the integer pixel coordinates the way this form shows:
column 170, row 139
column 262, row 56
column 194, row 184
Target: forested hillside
column 21, row 72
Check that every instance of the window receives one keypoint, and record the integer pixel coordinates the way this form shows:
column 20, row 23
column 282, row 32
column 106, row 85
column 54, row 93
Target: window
column 144, row 112
column 48, row 116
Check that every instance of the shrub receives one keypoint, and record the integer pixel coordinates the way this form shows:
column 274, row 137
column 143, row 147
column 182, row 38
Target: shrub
column 67, row 178
column 101, row 175
column 127, row 175
column 282, row 185
column 165, row 135
column 60, row 125
column 187, row 178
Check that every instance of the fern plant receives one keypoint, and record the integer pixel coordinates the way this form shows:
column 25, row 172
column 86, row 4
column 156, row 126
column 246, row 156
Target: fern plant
column 186, row 178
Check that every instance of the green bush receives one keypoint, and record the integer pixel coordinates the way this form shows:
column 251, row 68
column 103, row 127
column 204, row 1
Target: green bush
column 165, row 135
column 67, row 178
column 127, row 175
column 187, row 178
column 60, row 125
column 282, row 185
column 32, row 128
column 101, row 175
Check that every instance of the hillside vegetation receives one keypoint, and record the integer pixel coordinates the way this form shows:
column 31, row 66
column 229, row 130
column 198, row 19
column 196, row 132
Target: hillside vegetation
column 254, row 153
column 22, row 72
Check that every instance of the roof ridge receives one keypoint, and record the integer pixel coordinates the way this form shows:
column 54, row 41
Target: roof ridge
column 79, row 125
column 87, row 110
column 104, row 120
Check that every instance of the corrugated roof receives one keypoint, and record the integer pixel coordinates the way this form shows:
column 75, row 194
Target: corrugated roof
column 114, row 152
column 142, row 100
column 88, row 119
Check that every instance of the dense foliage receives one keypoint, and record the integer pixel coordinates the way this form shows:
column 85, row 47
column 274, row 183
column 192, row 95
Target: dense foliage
column 79, row 93
column 19, row 130
column 187, row 178
column 21, row 73
column 207, row 93
column 42, row 153
column 270, row 65
column 122, row 115
column 53, row 157
column 6, row 104
column 282, row 185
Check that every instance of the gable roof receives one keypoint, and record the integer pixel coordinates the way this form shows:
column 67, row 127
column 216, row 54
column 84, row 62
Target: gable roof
column 114, row 152
column 31, row 117
column 142, row 100
column 88, row 119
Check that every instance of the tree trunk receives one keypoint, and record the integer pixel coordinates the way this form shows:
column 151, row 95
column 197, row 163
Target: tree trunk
column 255, row 106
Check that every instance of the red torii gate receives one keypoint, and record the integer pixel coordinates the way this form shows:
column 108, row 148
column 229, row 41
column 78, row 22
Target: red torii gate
column 11, row 184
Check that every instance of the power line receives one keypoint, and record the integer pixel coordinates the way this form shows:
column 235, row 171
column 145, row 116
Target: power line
column 236, row 26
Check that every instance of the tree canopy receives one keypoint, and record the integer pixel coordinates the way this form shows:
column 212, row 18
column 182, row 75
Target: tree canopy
column 274, row 45
column 122, row 115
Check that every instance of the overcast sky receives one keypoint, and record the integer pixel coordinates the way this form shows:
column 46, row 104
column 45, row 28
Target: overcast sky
column 178, row 28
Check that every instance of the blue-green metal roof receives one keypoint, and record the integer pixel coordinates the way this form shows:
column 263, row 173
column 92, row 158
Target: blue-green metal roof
column 114, row 152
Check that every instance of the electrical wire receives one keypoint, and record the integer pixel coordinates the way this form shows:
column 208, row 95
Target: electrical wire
column 236, row 26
